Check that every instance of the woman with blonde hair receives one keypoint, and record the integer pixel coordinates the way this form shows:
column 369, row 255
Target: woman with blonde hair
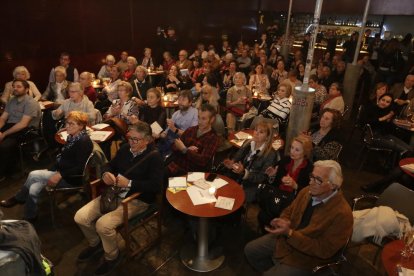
column 20, row 73
column 248, row 165
column 290, row 174
column 208, row 94
column 237, row 99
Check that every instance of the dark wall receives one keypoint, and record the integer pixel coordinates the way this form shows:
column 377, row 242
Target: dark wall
column 34, row 32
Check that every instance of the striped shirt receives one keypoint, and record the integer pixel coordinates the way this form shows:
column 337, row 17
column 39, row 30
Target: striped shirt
column 278, row 109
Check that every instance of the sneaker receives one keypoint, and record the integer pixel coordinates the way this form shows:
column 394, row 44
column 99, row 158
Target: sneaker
column 89, row 252
column 107, row 266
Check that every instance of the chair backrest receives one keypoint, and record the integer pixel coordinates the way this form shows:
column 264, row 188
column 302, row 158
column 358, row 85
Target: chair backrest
column 368, row 134
column 399, row 198
column 358, row 119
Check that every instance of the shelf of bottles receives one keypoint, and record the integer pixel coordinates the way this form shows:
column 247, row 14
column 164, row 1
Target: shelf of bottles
column 342, row 25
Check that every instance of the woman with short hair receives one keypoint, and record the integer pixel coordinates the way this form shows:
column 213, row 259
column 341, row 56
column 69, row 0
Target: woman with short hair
column 128, row 74
column 105, row 71
column 124, row 107
column 57, row 91
column 20, row 73
column 70, row 162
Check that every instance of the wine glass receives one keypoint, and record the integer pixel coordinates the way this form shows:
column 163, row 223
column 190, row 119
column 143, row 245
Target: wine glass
column 408, row 239
column 409, row 113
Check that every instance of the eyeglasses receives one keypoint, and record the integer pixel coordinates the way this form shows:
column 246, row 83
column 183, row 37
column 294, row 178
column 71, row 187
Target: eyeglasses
column 135, row 140
column 317, row 179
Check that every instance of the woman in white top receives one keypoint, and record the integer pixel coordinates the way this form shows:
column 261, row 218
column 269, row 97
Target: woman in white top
column 57, row 91
column 124, row 107
column 111, row 88
column 105, row 71
column 259, row 82
column 20, row 73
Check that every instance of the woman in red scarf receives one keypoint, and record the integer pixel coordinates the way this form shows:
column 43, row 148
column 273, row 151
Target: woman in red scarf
column 291, row 173
column 128, row 74
column 289, row 176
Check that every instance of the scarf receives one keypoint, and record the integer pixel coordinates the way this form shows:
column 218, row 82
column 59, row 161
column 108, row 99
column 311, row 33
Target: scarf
column 70, row 141
column 294, row 174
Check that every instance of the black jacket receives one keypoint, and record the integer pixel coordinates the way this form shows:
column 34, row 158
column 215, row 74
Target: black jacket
column 146, row 178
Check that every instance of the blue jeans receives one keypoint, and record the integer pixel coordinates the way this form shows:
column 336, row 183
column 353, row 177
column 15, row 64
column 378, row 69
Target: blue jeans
column 32, row 188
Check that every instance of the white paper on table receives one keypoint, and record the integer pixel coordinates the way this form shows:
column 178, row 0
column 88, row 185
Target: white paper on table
column 225, row 203
column 100, row 126
column 156, row 128
column 64, row 134
column 177, row 182
column 218, row 183
column 194, row 176
column 409, row 167
column 100, row 135
column 243, row 135
column 402, row 271
column 199, row 196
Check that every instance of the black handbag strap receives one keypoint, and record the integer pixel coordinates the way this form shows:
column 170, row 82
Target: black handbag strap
column 140, row 162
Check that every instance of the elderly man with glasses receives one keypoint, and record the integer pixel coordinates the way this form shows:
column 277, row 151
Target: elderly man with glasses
column 137, row 167
column 310, row 231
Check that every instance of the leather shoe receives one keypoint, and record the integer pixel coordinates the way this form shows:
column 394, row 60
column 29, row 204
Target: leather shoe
column 11, row 202
column 89, row 252
column 107, row 266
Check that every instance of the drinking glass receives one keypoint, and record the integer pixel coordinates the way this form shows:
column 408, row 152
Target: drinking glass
column 408, row 239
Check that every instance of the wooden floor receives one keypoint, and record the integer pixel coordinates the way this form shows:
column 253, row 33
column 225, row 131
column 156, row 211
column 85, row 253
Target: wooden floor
column 63, row 244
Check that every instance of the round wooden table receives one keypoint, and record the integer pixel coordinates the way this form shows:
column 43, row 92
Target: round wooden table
column 391, row 257
column 406, row 161
column 198, row 259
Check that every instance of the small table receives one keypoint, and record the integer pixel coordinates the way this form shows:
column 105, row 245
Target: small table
column 406, row 161
column 391, row 257
column 277, row 142
column 198, row 259
column 60, row 140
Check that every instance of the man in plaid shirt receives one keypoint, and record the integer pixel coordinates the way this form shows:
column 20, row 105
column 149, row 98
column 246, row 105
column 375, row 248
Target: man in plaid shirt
column 196, row 147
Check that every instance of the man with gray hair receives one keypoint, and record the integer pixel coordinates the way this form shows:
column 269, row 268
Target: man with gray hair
column 310, row 231
column 136, row 168
column 77, row 102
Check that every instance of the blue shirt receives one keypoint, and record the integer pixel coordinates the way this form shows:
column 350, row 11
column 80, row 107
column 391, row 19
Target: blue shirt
column 185, row 119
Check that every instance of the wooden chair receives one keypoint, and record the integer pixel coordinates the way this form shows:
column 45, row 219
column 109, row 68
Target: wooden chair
column 140, row 221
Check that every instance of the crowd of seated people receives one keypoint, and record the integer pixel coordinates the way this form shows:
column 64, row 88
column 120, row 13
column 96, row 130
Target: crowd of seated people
column 206, row 84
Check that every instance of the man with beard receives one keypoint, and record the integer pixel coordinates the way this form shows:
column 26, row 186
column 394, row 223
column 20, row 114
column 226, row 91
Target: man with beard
column 185, row 117
column 21, row 112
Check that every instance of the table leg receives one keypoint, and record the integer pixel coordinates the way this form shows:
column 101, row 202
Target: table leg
column 199, row 259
